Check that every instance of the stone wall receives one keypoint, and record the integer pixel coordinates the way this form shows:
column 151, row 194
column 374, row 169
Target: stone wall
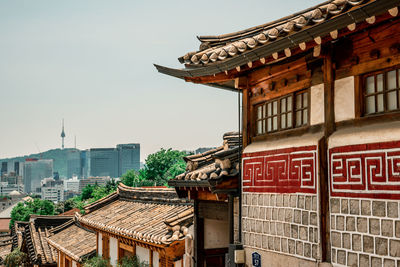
column 365, row 232
column 364, row 203
column 282, row 223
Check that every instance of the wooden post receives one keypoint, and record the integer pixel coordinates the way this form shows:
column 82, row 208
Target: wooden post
column 329, row 128
column 329, row 93
column 151, row 258
column 358, row 96
column 230, row 219
column 324, row 200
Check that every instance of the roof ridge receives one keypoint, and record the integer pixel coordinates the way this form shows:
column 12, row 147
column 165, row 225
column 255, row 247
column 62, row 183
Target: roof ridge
column 252, row 30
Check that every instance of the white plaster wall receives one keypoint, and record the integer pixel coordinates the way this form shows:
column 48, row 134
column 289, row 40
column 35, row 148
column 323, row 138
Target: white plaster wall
column 317, row 113
column 344, row 99
column 100, row 244
column 143, row 254
column 74, row 264
column 381, row 132
column 178, row 263
column 216, row 234
column 156, row 259
column 302, row 140
column 113, row 251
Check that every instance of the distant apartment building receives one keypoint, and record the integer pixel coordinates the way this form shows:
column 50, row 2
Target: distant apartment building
column 52, row 189
column 6, row 188
column 101, row 181
column 35, row 170
column 128, row 158
column 72, row 184
column 11, row 178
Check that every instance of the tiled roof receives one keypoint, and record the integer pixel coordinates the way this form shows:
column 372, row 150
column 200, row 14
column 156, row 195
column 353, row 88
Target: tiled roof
column 212, row 165
column 38, row 228
column 154, row 215
column 218, row 54
column 17, row 232
column 219, row 48
column 5, row 246
column 73, row 240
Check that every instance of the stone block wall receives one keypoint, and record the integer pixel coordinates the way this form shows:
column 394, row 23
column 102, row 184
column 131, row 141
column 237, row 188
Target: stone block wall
column 364, row 204
column 282, row 223
column 365, row 232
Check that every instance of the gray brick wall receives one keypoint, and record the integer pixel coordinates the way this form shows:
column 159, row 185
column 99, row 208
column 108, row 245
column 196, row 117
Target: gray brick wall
column 365, row 232
column 282, row 223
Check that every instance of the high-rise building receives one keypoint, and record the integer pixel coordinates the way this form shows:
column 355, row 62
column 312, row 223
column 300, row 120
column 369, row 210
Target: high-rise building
column 34, row 171
column 74, row 163
column 103, row 162
column 128, row 158
column 4, row 167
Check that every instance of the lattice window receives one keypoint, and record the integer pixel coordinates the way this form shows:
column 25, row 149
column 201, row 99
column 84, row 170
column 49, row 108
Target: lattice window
column 382, row 92
column 283, row 113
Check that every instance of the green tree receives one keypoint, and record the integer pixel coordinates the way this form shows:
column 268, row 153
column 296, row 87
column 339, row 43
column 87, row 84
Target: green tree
column 23, row 210
column 131, row 261
column 96, row 262
column 87, row 192
column 15, row 258
column 70, row 204
column 159, row 166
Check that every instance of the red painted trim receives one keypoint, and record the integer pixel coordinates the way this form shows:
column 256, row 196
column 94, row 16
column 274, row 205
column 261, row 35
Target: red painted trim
column 288, row 170
column 365, row 170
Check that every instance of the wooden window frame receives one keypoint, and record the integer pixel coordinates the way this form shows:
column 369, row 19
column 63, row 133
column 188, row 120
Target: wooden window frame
column 279, row 114
column 361, row 89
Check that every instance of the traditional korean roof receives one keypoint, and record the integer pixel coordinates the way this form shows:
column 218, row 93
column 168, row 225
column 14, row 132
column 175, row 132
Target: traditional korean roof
column 73, row 240
column 5, row 246
column 211, row 167
column 221, row 53
column 153, row 215
column 36, row 232
column 17, row 232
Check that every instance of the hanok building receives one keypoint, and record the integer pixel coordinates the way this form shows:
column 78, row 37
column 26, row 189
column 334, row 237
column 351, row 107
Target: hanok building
column 5, row 247
column 151, row 223
column 74, row 244
column 212, row 181
column 35, row 243
column 321, row 131
column 17, row 233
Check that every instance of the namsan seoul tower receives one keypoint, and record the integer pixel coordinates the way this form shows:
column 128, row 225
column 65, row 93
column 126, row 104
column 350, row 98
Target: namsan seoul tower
column 62, row 134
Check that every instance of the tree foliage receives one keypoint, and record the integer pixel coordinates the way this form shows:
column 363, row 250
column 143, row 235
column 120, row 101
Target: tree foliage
column 131, row 261
column 15, row 258
column 23, row 210
column 164, row 165
column 97, row 261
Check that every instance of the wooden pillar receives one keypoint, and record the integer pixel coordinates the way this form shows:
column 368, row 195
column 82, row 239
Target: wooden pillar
column 329, row 128
column 329, row 93
column 151, row 258
column 246, row 117
column 230, row 218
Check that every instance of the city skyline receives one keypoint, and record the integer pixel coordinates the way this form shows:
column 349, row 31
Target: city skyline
column 92, row 66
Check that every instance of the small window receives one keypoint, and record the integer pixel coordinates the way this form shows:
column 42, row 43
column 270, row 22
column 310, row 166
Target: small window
column 381, row 92
column 283, row 113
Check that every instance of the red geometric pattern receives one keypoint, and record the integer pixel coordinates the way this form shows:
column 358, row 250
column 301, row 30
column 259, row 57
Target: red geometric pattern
column 289, row 170
column 368, row 170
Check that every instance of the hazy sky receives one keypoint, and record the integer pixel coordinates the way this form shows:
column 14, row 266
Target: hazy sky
column 90, row 62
